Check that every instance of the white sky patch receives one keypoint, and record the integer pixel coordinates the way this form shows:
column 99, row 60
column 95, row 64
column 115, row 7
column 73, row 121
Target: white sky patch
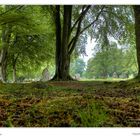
column 89, row 49
column 90, row 46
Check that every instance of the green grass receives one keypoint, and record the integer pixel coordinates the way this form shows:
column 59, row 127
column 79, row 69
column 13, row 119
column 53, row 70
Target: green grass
column 93, row 115
column 70, row 104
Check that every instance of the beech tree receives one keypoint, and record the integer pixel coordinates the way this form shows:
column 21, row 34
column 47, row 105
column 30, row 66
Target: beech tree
column 67, row 35
column 25, row 40
column 7, row 22
column 71, row 22
column 99, row 22
column 137, row 34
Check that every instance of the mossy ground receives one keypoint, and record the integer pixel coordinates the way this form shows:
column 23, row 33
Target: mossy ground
column 70, row 104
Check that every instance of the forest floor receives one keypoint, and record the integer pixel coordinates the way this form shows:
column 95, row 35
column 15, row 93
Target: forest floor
column 70, row 104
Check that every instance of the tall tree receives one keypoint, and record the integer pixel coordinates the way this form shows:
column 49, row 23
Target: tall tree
column 112, row 61
column 6, row 33
column 137, row 33
column 31, row 47
column 62, row 39
column 7, row 21
column 67, row 35
column 25, row 39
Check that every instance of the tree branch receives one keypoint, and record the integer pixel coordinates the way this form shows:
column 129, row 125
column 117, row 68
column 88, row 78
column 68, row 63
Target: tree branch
column 72, row 44
column 114, row 14
column 81, row 16
column 12, row 9
column 74, row 39
column 97, row 17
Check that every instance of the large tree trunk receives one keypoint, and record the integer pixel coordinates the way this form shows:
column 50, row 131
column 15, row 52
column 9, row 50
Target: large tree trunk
column 65, row 40
column 62, row 40
column 58, row 44
column 4, row 52
column 3, row 64
column 137, row 33
column 5, row 38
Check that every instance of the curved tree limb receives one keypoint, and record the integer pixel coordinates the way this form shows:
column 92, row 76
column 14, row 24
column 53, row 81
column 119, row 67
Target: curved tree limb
column 72, row 43
column 81, row 16
column 97, row 17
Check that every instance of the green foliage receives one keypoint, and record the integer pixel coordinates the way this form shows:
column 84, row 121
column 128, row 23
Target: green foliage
column 9, row 123
column 31, row 42
column 32, row 38
column 111, row 61
column 120, row 26
column 93, row 115
column 115, row 23
column 77, row 67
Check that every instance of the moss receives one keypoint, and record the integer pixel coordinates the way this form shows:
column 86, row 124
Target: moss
column 70, row 104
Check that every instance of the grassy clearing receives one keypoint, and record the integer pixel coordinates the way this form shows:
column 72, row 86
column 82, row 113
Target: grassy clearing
column 70, row 104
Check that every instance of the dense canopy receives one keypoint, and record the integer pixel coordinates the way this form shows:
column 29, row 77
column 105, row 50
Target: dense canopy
column 55, row 37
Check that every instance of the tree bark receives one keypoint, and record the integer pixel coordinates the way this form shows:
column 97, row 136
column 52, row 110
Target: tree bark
column 137, row 33
column 62, row 39
column 3, row 64
column 4, row 52
column 65, row 41
column 58, row 43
